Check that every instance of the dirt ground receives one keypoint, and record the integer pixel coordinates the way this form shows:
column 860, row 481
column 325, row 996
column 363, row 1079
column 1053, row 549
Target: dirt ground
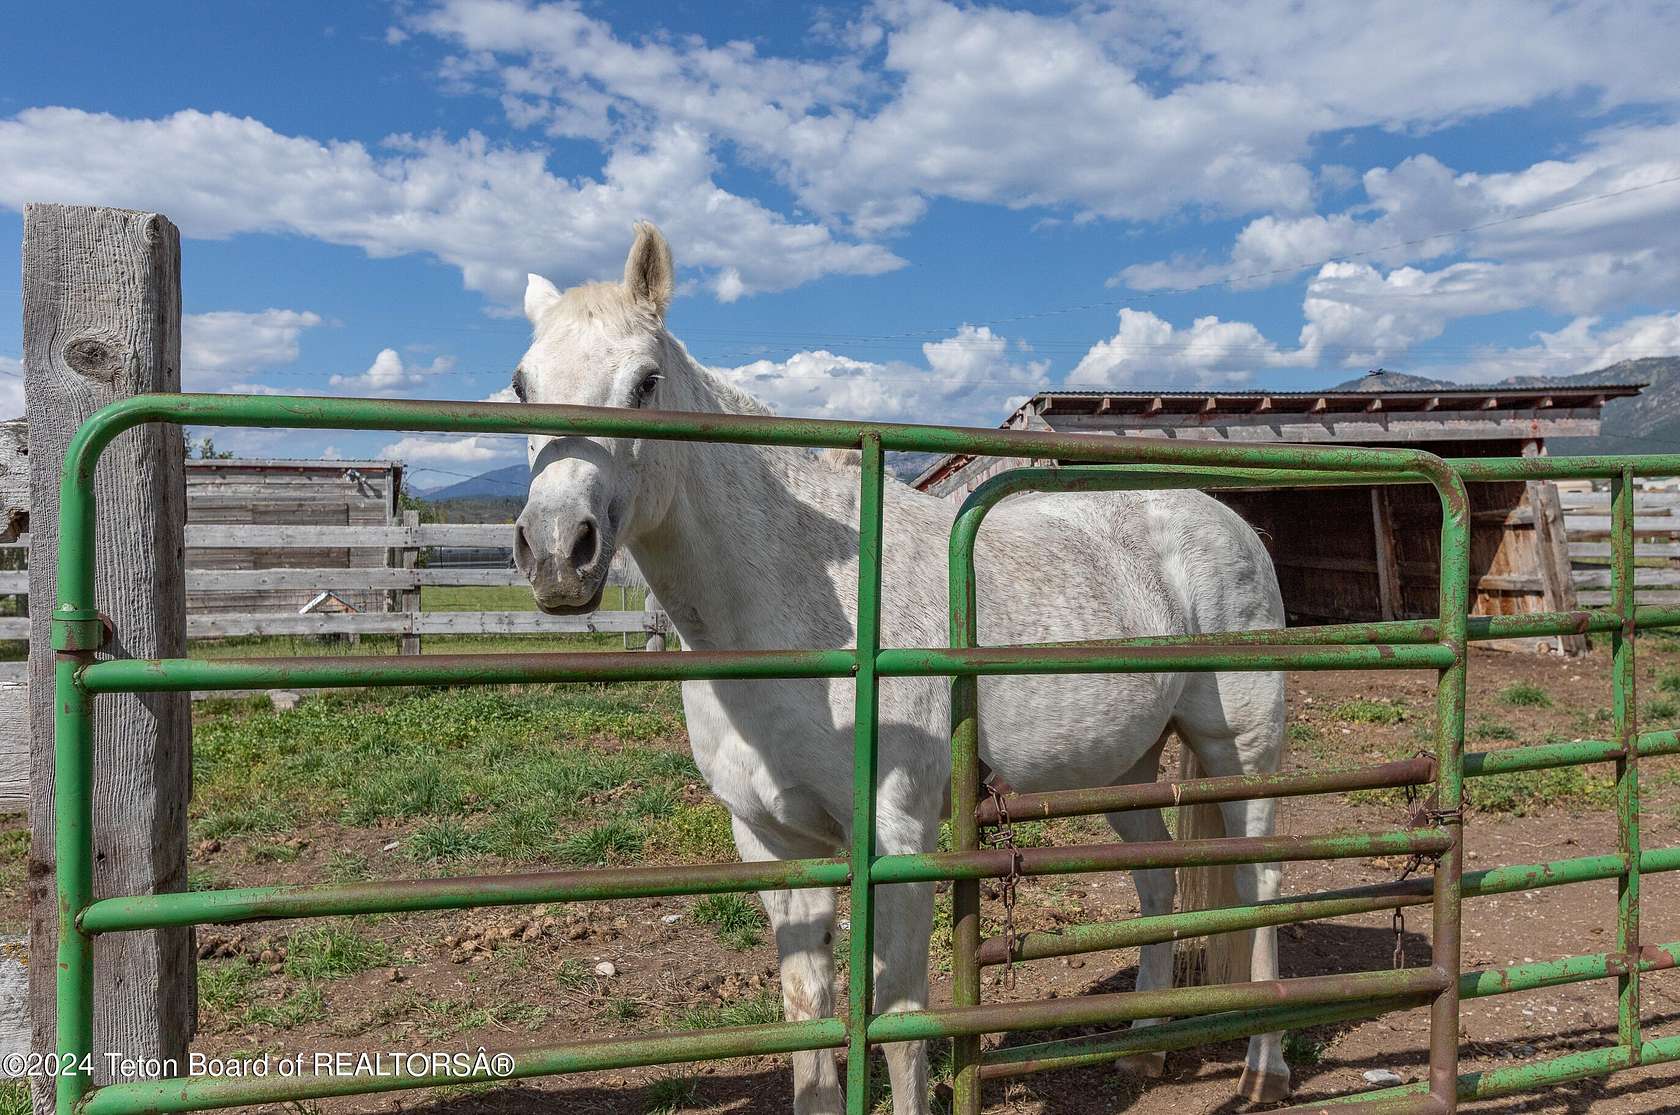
column 522, row 977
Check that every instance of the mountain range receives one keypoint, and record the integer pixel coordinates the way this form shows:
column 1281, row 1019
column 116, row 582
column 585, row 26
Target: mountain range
column 1647, row 423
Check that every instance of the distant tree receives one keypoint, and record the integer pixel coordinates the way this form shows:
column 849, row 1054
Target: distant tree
column 205, row 450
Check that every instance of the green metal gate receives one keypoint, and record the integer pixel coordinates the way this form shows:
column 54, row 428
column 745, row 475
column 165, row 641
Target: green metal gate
column 1201, row 1014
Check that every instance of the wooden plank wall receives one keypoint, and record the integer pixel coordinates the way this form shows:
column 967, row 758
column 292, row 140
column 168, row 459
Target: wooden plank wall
column 1656, row 524
column 281, row 493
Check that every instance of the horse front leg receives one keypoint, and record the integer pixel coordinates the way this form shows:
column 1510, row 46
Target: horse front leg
column 803, row 923
column 903, row 929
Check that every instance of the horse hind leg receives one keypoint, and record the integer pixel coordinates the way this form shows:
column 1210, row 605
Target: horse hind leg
column 1155, row 889
column 1234, row 724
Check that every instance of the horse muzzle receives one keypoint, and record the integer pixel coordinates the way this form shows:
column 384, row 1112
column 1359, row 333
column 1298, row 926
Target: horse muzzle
column 566, row 561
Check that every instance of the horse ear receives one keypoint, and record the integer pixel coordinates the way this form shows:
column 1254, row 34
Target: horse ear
column 649, row 274
column 540, row 294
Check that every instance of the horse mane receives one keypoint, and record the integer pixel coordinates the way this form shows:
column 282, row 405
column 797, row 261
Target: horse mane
column 737, row 400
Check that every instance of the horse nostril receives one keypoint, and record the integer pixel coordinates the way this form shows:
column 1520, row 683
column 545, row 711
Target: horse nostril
column 584, row 548
column 522, row 558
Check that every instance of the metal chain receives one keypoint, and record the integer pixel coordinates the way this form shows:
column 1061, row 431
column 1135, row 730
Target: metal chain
column 1002, row 836
column 1421, row 811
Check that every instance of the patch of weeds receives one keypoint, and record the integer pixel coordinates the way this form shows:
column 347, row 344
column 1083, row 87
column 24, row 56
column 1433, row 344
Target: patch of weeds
column 272, row 853
column 699, row 832
column 1302, row 1049
column 624, row 1010
column 345, row 866
column 1525, row 694
column 669, row 1095
column 14, row 1097
column 519, row 832
column 571, row 975
column 735, row 919
column 1669, row 683
column 226, row 985
column 293, row 1008
column 610, row 842
column 259, row 818
column 401, row 792
column 202, row 878
column 1661, row 708
column 333, row 952
column 445, row 838
column 1364, row 710
column 656, row 800
column 757, row 1009
column 1524, row 792
column 14, row 856
column 1492, row 729
column 1304, row 736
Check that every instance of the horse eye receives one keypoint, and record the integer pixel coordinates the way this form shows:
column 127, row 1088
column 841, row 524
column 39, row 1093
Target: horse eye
column 644, row 389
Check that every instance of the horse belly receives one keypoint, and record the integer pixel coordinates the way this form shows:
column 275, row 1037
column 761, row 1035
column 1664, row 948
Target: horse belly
column 1057, row 733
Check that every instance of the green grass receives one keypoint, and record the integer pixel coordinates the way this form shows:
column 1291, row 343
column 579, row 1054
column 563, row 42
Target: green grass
column 1491, row 730
column 332, row 952
column 754, row 1010
column 1661, row 708
column 669, row 1095
column 1519, row 794
column 1669, row 683
column 1525, row 694
column 563, row 773
column 14, row 1097
column 613, row 841
column 1528, row 791
column 736, row 919
column 14, row 856
column 1363, row 710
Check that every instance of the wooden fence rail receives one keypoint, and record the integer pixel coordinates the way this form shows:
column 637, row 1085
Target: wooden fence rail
column 1656, row 551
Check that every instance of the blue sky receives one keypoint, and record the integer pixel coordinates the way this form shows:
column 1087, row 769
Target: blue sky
column 905, row 210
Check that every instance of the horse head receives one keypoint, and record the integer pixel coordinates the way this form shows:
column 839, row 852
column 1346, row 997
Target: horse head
column 603, row 345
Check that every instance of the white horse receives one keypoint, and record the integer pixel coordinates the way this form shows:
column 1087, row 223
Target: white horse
column 756, row 547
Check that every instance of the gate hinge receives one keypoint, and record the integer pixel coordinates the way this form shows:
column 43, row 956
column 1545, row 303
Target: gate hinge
column 79, row 630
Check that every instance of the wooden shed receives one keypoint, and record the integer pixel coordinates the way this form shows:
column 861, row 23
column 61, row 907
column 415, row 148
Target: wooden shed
column 1348, row 554
column 238, row 492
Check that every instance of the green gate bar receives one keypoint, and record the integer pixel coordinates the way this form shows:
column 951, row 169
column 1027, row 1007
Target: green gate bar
column 1262, row 468
column 1205, row 1013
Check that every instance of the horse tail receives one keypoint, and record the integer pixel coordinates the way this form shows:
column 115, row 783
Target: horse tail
column 1222, row 957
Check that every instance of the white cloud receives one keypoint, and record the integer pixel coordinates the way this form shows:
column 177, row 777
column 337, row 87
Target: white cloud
column 968, row 378
column 471, row 450
column 1132, row 110
column 495, row 212
column 982, row 104
column 1580, row 346
column 1149, row 350
column 227, row 343
column 1608, row 207
column 388, row 375
column 11, row 388
column 1425, row 62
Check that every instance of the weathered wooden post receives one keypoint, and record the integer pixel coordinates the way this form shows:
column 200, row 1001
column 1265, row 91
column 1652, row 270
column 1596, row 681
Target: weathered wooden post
column 102, row 320
column 410, row 597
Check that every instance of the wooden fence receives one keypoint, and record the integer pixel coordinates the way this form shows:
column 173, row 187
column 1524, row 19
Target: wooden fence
column 1656, row 525
column 405, row 577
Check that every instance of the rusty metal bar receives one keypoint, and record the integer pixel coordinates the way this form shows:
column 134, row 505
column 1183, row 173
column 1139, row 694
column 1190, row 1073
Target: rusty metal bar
column 1245, row 787
column 928, row 867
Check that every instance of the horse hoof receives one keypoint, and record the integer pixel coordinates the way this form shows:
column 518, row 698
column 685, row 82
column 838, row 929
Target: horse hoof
column 1263, row 1087
column 1149, row 1066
